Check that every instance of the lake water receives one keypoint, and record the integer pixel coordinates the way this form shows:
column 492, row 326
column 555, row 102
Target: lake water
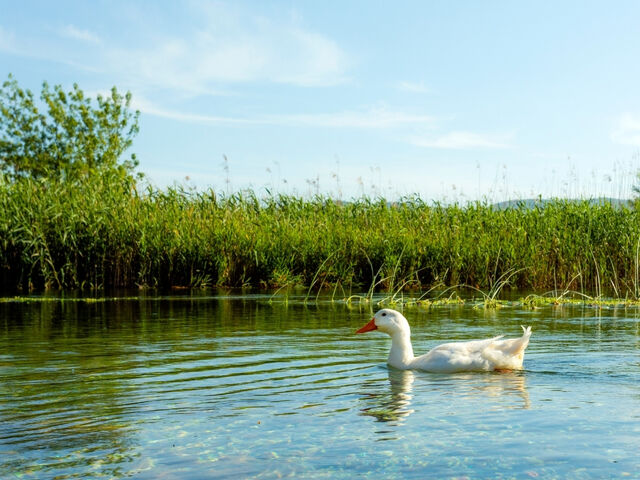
column 234, row 387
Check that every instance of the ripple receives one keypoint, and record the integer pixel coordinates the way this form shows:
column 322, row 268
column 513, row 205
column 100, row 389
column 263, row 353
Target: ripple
column 242, row 391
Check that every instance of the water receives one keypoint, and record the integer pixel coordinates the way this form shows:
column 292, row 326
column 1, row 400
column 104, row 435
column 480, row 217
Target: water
column 223, row 387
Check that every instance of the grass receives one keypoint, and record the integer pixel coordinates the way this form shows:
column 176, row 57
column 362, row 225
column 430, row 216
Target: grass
column 532, row 301
column 108, row 232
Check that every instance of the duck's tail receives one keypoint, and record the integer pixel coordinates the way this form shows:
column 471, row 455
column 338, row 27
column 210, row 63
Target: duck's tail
column 510, row 353
column 516, row 346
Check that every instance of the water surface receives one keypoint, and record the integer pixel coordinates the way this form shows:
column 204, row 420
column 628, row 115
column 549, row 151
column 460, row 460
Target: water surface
column 235, row 387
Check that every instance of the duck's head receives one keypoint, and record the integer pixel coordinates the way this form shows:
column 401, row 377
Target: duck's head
column 387, row 321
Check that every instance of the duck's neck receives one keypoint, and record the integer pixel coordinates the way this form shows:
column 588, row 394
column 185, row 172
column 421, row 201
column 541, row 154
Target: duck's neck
column 401, row 353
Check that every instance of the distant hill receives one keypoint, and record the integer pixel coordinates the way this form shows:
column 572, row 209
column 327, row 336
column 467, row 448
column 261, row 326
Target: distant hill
column 532, row 202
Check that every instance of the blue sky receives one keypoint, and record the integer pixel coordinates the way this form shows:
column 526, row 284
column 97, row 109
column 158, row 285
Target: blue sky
column 449, row 100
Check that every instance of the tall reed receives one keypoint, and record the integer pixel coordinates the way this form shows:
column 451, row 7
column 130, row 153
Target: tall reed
column 109, row 232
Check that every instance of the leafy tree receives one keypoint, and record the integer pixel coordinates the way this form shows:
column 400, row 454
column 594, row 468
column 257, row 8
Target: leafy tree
column 66, row 135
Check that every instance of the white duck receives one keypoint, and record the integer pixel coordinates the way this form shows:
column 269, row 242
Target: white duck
column 476, row 355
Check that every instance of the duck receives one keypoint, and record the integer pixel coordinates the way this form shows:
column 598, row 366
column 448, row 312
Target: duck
column 491, row 354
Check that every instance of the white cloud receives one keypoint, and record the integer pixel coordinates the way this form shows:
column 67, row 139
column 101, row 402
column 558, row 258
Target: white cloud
column 462, row 141
column 7, row 41
column 627, row 130
column 75, row 33
column 35, row 48
column 374, row 118
column 223, row 45
column 413, row 87
column 227, row 45
column 147, row 107
column 319, row 59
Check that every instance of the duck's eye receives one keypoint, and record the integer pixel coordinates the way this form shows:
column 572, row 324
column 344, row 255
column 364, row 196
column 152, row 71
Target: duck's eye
column 384, row 314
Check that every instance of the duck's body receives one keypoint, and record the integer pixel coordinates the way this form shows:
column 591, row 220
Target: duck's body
column 476, row 355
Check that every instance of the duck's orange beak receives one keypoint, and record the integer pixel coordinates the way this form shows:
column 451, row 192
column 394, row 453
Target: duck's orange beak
column 368, row 327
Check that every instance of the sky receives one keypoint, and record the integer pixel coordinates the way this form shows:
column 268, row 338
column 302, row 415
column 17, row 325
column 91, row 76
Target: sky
column 451, row 101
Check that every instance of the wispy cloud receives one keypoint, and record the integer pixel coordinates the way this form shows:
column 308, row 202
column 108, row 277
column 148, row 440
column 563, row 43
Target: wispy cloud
column 34, row 47
column 320, row 61
column 147, row 107
column 75, row 33
column 462, row 141
column 413, row 87
column 373, row 118
column 206, row 59
column 7, row 41
column 627, row 130
column 224, row 46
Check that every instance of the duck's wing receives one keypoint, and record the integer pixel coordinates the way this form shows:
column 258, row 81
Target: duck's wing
column 470, row 346
column 476, row 355
column 456, row 357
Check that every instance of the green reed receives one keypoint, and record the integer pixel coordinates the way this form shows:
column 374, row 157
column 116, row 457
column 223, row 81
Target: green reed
column 109, row 232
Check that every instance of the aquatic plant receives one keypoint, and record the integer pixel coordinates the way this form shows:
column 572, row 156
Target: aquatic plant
column 106, row 231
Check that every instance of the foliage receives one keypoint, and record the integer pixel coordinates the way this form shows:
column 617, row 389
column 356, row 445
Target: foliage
column 65, row 135
column 103, row 232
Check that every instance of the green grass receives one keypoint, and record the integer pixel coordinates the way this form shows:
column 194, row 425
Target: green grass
column 532, row 302
column 105, row 232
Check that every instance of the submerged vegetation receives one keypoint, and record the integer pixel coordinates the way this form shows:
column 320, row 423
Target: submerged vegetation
column 105, row 231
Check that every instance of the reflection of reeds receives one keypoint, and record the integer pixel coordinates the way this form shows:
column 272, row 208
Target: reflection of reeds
column 106, row 232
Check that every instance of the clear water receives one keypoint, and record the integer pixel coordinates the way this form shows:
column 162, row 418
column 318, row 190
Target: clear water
column 227, row 387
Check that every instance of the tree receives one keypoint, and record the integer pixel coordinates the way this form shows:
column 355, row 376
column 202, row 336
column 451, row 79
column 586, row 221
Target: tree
column 66, row 135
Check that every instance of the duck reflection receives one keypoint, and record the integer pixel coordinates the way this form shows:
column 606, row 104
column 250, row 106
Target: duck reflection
column 495, row 391
column 393, row 405
column 504, row 390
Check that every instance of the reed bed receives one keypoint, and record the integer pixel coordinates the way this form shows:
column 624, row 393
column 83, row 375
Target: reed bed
column 106, row 231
